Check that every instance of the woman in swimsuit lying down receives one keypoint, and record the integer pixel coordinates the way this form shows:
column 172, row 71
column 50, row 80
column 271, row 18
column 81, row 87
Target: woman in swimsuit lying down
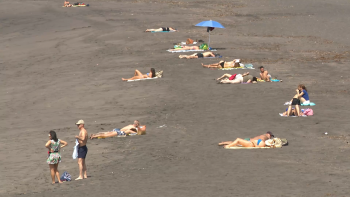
column 185, row 48
column 197, row 55
column 222, row 64
column 243, row 142
column 162, row 29
column 139, row 75
column 238, row 78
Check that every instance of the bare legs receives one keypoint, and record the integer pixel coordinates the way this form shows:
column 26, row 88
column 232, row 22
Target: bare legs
column 54, row 172
column 137, row 75
column 188, row 56
column 238, row 141
column 106, row 134
column 149, row 30
column 264, row 76
column 224, row 76
column 82, row 169
column 217, row 65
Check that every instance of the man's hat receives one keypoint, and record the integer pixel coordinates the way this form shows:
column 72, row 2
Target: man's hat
column 269, row 132
column 80, row 122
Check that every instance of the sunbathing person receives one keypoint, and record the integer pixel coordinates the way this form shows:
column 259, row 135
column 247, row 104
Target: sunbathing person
column 181, row 48
column 264, row 75
column 237, row 78
column 133, row 129
column 222, row 64
column 243, row 143
column 139, row 75
column 263, row 137
column 67, row 4
column 197, row 55
column 162, row 29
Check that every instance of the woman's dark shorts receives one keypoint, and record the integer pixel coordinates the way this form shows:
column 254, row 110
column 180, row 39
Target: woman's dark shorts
column 295, row 101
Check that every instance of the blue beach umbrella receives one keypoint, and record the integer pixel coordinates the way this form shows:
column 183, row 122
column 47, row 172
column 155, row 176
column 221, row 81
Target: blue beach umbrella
column 210, row 26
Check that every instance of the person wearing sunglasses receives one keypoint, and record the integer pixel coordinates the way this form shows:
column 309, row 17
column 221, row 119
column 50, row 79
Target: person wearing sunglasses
column 54, row 145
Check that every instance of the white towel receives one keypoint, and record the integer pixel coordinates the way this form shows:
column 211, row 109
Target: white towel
column 142, row 79
column 75, row 151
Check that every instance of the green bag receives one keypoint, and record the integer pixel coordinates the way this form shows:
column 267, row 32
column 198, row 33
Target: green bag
column 204, row 46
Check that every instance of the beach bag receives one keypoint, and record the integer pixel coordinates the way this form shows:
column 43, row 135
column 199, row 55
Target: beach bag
column 159, row 74
column 308, row 112
column 189, row 41
column 65, row 176
column 274, row 143
column 204, row 46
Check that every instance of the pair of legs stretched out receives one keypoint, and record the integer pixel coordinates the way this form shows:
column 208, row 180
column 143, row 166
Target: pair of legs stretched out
column 222, row 64
column 243, row 142
column 197, row 55
column 161, row 29
column 139, row 75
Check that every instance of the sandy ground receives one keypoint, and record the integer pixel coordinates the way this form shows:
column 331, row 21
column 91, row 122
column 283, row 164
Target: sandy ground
column 59, row 65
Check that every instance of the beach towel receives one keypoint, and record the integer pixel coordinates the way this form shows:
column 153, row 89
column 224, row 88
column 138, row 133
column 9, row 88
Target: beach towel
column 272, row 80
column 142, row 79
column 309, row 104
column 240, row 147
column 182, row 51
column 162, row 31
column 281, row 114
column 75, row 151
column 242, row 66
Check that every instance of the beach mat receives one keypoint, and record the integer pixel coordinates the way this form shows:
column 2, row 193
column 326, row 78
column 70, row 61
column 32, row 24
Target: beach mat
column 310, row 104
column 213, row 57
column 183, row 51
column 281, row 114
column 272, row 80
column 240, row 147
column 142, row 79
column 162, row 31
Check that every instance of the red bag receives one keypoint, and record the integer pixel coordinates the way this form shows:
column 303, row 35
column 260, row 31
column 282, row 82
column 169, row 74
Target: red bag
column 233, row 77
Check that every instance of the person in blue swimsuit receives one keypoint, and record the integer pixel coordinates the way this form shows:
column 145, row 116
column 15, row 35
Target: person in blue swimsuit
column 139, row 75
column 258, row 141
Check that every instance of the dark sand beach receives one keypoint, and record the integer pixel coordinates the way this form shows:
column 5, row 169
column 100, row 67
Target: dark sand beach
column 59, row 65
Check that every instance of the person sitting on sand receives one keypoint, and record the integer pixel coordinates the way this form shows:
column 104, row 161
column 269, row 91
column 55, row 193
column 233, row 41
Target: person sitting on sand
column 264, row 75
column 161, row 29
column 302, row 96
column 237, row 78
column 67, row 4
column 139, row 75
column 197, row 55
column 133, row 129
column 222, row 64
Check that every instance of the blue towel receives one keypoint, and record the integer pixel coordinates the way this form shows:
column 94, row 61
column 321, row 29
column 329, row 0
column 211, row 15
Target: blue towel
column 311, row 104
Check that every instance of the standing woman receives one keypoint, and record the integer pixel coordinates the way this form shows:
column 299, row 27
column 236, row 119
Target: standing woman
column 54, row 158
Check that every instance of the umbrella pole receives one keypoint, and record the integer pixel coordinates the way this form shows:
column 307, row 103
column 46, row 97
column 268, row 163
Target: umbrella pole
column 209, row 40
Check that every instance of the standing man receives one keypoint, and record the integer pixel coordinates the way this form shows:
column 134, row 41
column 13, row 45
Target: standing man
column 82, row 149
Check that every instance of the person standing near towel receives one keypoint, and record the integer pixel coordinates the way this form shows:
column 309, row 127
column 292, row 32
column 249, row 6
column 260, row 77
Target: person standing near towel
column 82, row 149
column 54, row 145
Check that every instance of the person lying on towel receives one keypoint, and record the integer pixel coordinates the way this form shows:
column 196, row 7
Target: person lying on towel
column 237, row 78
column 67, row 4
column 133, row 129
column 197, row 55
column 258, row 141
column 222, row 64
column 161, row 29
column 182, row 48
column 139, row 75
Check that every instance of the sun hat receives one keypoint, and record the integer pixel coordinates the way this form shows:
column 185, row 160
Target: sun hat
column 80, row 122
